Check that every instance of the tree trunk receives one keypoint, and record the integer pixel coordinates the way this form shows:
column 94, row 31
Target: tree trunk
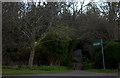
column 31, row 58
column 32, row 53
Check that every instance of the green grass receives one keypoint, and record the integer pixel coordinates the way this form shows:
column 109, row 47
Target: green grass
column 14, row 70
column 102, row 70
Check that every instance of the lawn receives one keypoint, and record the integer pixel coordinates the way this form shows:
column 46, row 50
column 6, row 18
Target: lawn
column 102, row 70
column 13, row 71
column 33, row 70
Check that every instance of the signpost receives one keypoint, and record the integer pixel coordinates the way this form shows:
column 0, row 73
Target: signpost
column 103, row 54
column 97, row 44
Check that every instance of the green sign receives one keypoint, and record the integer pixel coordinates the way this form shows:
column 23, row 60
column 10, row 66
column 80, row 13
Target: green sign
column 96, row 44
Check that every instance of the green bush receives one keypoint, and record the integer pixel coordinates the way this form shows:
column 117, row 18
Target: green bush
column 69, row 63
column 46, row 68
column 20, row 66
column 56, row 51
column 98, row 60
column 111, row 54
column 7, row 67
column 88, row 64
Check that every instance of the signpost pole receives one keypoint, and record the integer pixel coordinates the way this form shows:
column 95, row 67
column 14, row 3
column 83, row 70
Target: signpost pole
column 103, row 54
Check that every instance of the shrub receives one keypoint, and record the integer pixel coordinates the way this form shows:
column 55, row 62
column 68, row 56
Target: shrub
column 111, row 54
column 88, row 64
column 69, row 63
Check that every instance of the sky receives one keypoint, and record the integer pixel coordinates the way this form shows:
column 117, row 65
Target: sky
column 74, row 0
column 78, row 1
column 57, row 0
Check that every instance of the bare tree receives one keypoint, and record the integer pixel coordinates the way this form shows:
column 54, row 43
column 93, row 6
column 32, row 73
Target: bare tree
column 35, row 23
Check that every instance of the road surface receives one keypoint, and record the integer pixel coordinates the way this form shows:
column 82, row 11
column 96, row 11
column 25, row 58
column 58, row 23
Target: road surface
column 70, row 74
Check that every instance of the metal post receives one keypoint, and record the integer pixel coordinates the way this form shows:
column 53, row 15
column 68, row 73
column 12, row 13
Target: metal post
column 118, row 20
column 103, row 54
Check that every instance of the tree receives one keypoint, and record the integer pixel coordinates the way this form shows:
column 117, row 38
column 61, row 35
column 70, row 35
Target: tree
column 33, row 22
column 11, row 36
column 110, row 11
column 37, row 26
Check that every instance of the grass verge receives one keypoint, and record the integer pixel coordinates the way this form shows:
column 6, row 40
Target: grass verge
column 102, row 70
column 15, row 72
column 33, row 70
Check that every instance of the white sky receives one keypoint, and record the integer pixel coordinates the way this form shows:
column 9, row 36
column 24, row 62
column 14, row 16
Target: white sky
column 70, row 0
column 57, row 0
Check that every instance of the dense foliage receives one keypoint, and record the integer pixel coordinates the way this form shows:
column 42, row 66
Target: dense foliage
column 49, row 33
column 111, row 53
